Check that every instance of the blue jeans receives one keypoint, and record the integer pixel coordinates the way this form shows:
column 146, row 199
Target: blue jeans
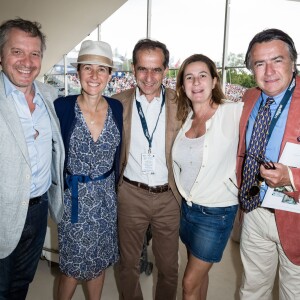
column 205, row 230
column 17, row 270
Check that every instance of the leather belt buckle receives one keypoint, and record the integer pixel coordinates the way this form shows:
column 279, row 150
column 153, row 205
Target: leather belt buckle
column 159, row 188
column 150, row 189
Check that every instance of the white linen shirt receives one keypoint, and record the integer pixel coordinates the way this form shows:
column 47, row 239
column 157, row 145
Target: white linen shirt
column 139, row 143
column 212, row 186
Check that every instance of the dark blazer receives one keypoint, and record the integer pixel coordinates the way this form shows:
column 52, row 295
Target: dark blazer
column 65, row 106
column 172, row 128
column 288, row 223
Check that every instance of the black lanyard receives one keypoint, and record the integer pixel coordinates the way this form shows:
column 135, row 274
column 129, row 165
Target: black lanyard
column 281, row 106
column 143, row 119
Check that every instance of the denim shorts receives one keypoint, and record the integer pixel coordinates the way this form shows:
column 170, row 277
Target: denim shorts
column 206, row 230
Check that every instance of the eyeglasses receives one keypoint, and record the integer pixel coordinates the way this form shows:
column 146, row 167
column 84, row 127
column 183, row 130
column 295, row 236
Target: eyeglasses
column 255, row 188
column 268, row 164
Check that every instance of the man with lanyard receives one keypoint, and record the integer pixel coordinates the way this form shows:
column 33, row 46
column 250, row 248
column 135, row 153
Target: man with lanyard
column 270, row 119
column 147, row 193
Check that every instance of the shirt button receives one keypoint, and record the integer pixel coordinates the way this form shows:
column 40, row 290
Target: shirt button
column 27, row 176
column 24, row 203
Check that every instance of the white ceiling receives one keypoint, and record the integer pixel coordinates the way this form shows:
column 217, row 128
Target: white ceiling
column 65, row 22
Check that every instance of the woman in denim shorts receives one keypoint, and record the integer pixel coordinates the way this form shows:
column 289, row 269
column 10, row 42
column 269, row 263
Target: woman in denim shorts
column 204, row 161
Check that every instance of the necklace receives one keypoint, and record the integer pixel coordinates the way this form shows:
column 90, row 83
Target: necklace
column 92, row 121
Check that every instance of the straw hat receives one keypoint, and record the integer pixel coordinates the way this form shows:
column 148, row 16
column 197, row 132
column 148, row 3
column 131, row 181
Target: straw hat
column 95, row 53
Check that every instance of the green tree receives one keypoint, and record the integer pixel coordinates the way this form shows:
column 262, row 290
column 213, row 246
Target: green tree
column 237, row 72
column 172, row 73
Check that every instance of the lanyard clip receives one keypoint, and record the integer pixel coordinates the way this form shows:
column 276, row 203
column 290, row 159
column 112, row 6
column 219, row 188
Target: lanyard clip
column 149, row 151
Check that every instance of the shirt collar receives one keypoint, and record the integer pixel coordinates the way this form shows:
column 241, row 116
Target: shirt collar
column 11, row 88
column 277, row 98
column 142, row 98
column 8, row 86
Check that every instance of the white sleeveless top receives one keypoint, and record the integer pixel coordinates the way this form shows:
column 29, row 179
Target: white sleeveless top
column 189, row 159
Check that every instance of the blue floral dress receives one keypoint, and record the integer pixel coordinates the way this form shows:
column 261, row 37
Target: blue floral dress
column 90, row 246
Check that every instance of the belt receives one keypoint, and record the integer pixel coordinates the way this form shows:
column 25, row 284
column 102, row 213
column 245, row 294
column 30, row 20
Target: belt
column 72, row 182
column 35, row 200
column 151, row 189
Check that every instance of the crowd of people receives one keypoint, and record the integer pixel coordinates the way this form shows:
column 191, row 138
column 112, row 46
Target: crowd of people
column 176, row 155
column 234, row 92
column 118, row 84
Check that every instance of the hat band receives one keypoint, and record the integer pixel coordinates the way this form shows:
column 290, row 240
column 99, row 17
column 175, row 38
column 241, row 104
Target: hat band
column 95, row 58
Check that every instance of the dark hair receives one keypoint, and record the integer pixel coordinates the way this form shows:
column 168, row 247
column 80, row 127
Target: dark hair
column 33, row 28
column 270, row 35
column 183, row 102
column 147, row 44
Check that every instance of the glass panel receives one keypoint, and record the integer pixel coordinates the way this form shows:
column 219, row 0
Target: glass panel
column 186, row 27
column 250, row 17
column 123, row 29
column 189, row 27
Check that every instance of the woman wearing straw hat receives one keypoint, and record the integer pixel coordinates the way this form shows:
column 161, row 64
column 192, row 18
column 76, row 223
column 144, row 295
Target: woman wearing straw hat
column 91, row 126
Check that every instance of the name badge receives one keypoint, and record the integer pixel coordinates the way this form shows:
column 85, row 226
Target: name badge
column 148, row 163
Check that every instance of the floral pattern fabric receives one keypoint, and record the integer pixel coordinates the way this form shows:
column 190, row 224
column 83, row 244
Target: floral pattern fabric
column 90, row 246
